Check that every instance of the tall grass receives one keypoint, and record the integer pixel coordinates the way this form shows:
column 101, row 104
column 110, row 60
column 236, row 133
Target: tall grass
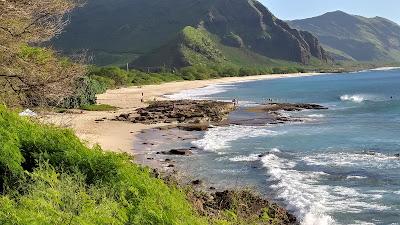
column 48, row 176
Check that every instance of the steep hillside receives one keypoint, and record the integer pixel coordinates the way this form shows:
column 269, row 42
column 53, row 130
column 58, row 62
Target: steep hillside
column 354, row 37
column 158, row 33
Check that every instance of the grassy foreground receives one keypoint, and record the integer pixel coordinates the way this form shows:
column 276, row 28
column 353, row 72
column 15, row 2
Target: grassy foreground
column 48, row 176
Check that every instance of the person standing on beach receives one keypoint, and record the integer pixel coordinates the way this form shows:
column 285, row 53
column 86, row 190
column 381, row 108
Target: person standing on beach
column 141, row 100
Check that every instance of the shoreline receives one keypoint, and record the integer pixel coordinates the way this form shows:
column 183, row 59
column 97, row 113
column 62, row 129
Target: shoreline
column 95, row 127
column 119, row 136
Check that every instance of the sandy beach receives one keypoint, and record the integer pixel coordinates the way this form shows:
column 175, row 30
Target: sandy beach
column 120, row 136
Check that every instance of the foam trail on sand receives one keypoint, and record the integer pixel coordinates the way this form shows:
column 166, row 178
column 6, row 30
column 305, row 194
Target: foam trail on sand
column 200, row 93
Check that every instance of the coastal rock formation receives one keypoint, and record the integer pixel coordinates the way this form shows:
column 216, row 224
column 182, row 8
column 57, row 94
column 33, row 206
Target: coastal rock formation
column 245, row 203
column 184, row 152
column 271, row 114
column 196, row 113
column 274, row 107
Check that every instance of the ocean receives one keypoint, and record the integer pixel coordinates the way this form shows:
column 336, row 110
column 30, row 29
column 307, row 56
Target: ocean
column 339, row 166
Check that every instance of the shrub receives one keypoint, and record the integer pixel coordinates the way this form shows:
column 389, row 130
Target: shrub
column 85, row 92
column 118, row 75
column 79, row 184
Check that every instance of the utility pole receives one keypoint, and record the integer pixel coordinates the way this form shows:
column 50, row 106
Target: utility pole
column 127, row 67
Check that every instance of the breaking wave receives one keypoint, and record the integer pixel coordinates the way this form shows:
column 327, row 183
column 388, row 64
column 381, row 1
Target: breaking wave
column 353, row 98
column 312, row 201
column 220, row 138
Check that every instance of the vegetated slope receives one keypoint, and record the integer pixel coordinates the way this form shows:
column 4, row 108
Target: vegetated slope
column 121, row 30
column 355, row 37
column 48, row 176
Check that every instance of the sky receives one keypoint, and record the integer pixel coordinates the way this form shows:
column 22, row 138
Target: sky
column 300, row 9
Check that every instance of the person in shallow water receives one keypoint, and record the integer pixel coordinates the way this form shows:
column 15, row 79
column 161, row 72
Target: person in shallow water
column 235, row 102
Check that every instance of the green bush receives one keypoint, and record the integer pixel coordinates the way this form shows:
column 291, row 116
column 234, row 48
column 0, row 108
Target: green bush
column 118, row 75
column 79, row 185
column 84, row 94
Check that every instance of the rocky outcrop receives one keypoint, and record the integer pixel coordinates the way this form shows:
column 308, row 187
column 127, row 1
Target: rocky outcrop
column 273, row 107
column 246, row 204
column 184, row 152
column 271, row 114
column 196, row 115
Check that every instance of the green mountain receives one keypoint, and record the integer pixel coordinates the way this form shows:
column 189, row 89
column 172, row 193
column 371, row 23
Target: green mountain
column 177, row 33
column 353, row 37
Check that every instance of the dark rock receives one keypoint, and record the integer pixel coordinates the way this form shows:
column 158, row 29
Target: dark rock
column 150, row 158
column 263, row 154
column 123, row 117
column 274, row 107
column 250, row 204
column 397, row 155
column 197, row 182
column 171, row 165
column 167, row 160
column 194, row 127
column 185, row 152
column 212, row 188
column 370, row 152
column 181, row 111
column 155, row 173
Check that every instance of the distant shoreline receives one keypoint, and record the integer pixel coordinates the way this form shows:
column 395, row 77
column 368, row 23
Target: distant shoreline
column 120, row 136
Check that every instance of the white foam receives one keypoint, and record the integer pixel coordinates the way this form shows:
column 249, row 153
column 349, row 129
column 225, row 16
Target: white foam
column 355, row 177
column 306, row 200
column 244, row 158
column 385, row 68
column 219, row 138
column 353, row 98
column 359, row 222
column 312, row 201
column 200, row 93
column 316, row 115
column 275, row 150
column 346, row 159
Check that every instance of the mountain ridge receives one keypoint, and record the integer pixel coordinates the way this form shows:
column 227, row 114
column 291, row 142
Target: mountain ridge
column 353, row 37
column 140, row 28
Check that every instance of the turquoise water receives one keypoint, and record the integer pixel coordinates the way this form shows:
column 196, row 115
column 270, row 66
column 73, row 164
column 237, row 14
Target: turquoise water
column 337, row 167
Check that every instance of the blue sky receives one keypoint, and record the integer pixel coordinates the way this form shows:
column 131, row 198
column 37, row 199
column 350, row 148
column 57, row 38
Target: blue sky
column 299, row 9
